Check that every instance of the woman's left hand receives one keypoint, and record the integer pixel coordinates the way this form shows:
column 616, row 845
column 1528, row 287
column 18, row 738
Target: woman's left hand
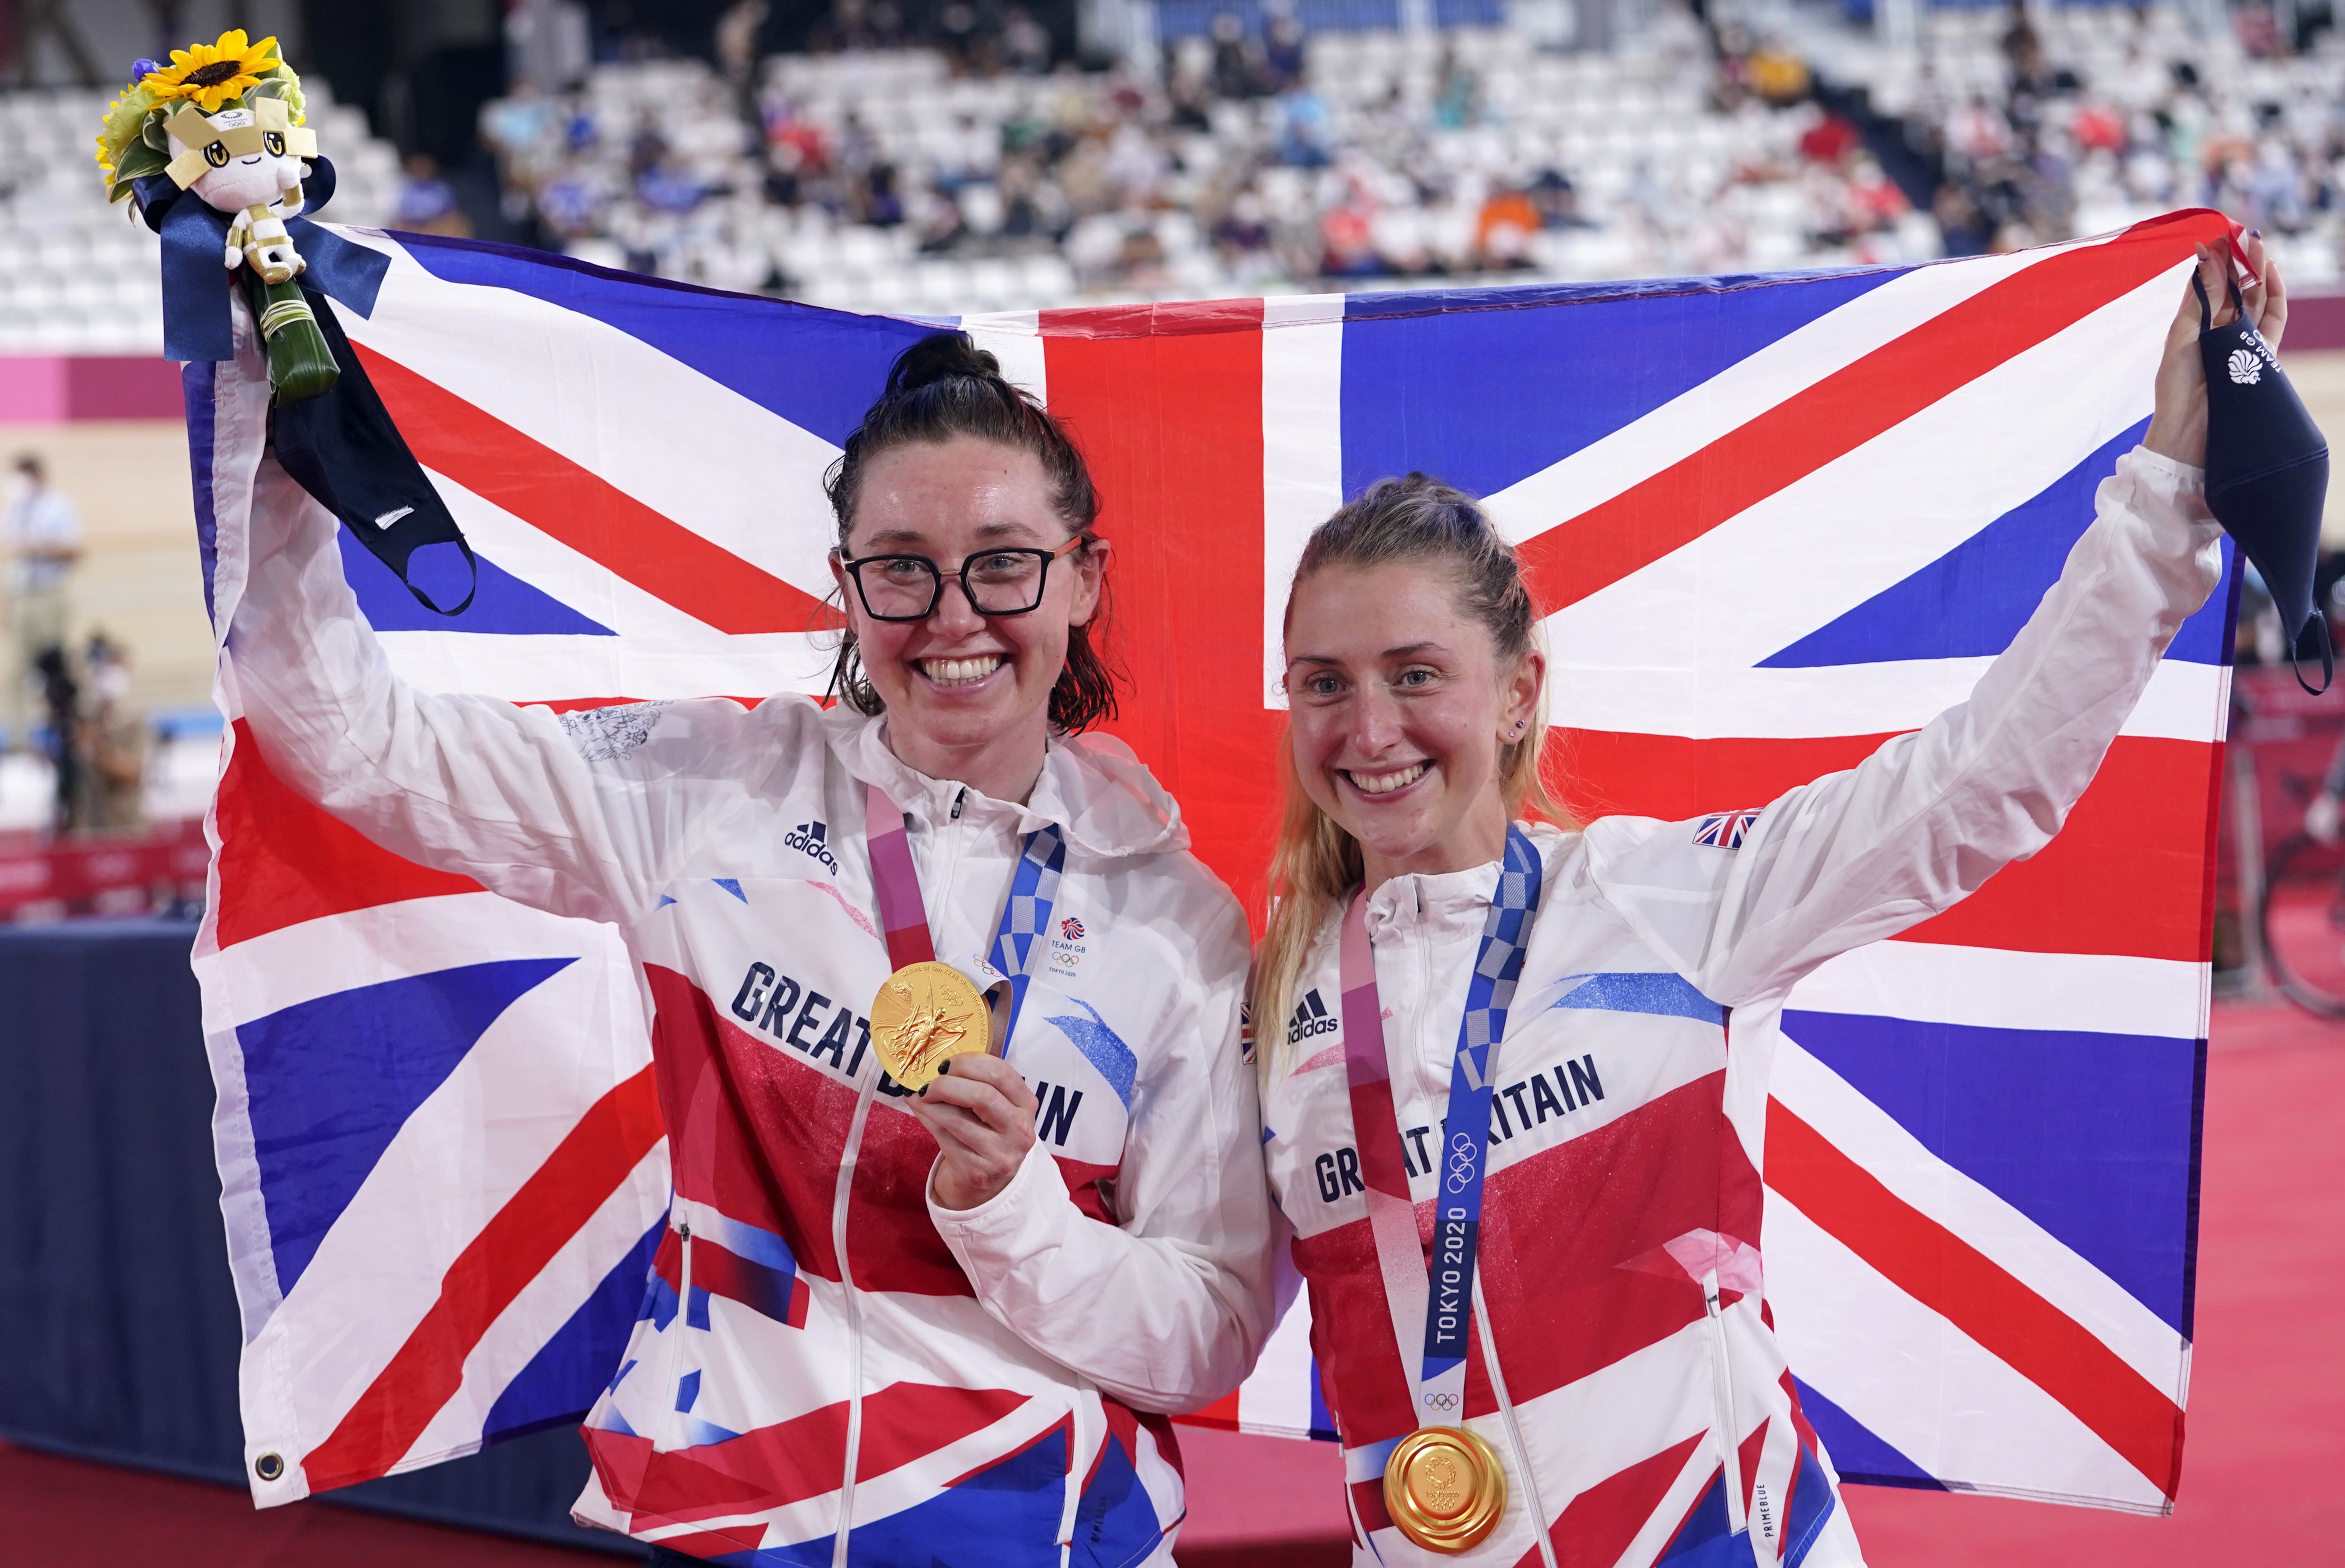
column 2179, row 428
column 982, row 1116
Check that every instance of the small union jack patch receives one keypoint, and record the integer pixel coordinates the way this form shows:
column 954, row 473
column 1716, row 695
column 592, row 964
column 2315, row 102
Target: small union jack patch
column 1725, row 830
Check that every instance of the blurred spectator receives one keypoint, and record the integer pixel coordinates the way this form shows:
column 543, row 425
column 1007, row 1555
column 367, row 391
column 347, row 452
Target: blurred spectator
column 2257, row 28
column 1503, row 231
column 1282, row 52
column 44, row 539
column 426, row 205
column 1777, row 74
column 60, row 699
column 1238, row 68
column 737, row 49
column 1025, row 43
column 1456, row 94
column 1265, row 156
column 2022, row 47
column 1830, row 141
column 110, row 736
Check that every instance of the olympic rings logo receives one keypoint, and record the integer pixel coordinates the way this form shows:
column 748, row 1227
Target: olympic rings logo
column 1443, row 1402
column 1462, row 1156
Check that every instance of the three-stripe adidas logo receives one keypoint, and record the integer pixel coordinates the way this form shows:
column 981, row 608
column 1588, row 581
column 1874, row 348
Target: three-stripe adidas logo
column 809, row 838
column 1311, row 1017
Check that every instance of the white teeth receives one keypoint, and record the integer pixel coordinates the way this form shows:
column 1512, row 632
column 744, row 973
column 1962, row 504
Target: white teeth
column 961, row 671
column 1386, row 783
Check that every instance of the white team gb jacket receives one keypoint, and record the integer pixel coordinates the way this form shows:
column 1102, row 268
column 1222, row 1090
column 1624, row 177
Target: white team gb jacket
column 828, row 1369
column 1626, row 1366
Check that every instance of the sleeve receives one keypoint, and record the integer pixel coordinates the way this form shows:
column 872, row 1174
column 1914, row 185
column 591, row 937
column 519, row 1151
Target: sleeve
column 1861, row 855
column 1167, row 1310
column 577, row 815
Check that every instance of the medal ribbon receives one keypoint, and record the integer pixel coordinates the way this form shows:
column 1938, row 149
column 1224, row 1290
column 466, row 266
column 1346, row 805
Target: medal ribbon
column 1437, row 1292
column 1033, row 890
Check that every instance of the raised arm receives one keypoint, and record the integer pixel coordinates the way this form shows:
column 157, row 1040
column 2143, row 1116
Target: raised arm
column 1166, row 1310
column 1861, row 855
column 577, row 818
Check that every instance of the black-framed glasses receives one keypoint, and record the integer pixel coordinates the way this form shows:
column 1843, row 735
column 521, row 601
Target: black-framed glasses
column 1004, row 581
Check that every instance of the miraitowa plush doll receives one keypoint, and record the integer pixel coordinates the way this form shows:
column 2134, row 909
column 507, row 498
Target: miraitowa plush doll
column 223, row 121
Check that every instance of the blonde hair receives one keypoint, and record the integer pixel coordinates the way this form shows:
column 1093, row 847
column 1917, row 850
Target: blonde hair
column 1316, row 863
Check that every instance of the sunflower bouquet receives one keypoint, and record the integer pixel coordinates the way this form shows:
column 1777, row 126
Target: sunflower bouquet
column 224, row 123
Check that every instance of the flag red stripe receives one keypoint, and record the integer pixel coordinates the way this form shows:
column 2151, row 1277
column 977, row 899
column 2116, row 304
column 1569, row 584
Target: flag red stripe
column 561, row 1195
column 1584, row 554
column 1171, row 424
column 791, row 1461
column 283, row 860
column 586, row 512
column 1597, row 1528
column 1946, row 1274
column 2125, row 875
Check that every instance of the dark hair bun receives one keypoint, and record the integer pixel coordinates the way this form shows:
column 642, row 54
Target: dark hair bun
column 940, row 356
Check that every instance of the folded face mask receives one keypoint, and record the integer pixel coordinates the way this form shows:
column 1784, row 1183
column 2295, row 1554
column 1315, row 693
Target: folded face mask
column 2267, row 475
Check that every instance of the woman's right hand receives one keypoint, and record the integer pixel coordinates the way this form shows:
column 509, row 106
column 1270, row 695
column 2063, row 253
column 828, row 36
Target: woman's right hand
column 2179, row 428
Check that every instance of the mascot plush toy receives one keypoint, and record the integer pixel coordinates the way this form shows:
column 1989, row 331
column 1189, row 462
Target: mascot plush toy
column 211, row 151
column 223, row 122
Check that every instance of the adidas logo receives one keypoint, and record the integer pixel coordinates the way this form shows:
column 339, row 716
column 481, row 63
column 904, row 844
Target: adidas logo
column 807, row 839
column 1311, row 1017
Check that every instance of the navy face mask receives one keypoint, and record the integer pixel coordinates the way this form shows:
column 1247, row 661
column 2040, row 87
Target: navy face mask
column 2267, row 475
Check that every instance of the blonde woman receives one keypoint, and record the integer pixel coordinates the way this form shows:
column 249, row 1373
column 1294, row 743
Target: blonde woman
column 1513, row 1074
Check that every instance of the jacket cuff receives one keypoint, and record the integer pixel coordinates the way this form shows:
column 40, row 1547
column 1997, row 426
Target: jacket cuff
column 2156, row 468
column 1036, row 1182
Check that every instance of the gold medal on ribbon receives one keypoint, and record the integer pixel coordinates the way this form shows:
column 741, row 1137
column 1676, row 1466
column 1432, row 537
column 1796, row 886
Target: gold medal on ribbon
column 924, row 1014
column 1444, row 1488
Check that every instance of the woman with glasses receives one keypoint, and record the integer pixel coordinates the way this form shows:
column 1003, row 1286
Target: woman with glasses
column 944, row 1015
column 1516, row 1116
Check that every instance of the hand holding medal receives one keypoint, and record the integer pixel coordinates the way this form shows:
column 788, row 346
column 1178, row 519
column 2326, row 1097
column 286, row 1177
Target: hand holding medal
column 943, row 1029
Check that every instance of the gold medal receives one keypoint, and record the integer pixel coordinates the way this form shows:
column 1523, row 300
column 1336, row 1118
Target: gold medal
column 1444, row 1488
column 924, row 1014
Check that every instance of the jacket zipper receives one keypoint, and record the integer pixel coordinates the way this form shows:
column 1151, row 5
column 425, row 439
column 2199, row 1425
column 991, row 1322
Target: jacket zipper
column 1730, row 1449
column 851, row 1303
column 1522, row 1465
column 951, row 846
column 851, row 1299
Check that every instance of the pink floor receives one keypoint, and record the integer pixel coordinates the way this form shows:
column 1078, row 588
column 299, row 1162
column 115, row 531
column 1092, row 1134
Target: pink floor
column 2266, row 1441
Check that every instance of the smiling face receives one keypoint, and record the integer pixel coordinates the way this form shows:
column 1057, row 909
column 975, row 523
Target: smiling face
column 255, row 179
column 1398, row 705
column 967, row 695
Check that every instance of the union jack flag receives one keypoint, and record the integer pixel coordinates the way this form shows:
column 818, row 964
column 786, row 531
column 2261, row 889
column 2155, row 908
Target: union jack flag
column 1770, row 521
column 1724, row 829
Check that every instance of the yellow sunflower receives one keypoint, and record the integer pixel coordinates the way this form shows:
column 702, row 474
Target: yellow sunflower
column 211, row 74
